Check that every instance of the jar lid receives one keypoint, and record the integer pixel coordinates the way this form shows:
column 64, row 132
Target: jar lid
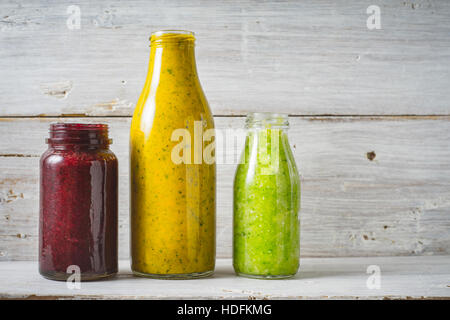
column 79, row 133
column 267, row 120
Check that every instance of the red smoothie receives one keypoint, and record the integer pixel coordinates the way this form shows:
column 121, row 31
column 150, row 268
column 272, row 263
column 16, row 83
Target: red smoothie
column 78, row 203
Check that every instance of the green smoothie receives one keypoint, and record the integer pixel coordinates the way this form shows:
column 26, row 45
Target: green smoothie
column 266, row 204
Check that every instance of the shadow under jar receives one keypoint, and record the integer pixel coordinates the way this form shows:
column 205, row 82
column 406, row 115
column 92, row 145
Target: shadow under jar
column 78, row 203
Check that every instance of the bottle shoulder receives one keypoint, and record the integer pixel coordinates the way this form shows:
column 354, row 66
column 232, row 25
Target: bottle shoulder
column 169, row 112
column 57, row 158
column 267, row 160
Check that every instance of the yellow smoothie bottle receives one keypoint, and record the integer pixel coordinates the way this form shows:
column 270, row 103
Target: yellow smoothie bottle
column 172, row 188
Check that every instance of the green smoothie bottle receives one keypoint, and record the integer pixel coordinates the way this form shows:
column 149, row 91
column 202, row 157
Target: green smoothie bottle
column 266, row 228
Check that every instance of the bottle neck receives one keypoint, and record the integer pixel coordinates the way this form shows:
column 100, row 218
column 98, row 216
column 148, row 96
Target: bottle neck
column 77, row 136
column 78, row 147
column 267, row 121
column 172, row 56
column 266, row 134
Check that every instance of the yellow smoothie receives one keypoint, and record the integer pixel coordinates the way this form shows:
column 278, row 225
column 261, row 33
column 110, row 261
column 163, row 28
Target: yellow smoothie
column 172, row 204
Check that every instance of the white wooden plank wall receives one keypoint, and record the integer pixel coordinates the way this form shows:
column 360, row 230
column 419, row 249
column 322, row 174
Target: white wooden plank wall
column 350, row 90
column 305, row 57
column 396, row 204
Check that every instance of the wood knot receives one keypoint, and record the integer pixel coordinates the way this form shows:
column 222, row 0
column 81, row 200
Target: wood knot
column 371, row 155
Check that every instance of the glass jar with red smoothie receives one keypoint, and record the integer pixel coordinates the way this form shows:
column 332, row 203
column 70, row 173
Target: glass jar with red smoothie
column 78, row 203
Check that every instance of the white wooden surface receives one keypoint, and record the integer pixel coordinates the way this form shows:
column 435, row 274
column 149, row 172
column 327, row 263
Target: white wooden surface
column 319, row 278
column 396, row 204
column 304, row 57
column 352, row 90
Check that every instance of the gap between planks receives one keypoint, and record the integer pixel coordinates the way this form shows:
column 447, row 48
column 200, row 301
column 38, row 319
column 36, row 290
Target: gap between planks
column 316, row 116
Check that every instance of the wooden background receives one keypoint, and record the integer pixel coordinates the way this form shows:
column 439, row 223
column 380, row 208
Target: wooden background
column 370, row 109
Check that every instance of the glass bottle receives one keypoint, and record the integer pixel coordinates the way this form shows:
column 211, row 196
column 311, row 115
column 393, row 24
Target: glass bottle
column 78, row 203
column 266, row 225
column 173, row 202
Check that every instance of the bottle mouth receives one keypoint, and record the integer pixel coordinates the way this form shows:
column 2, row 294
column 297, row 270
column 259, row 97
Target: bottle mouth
column 166, row 31
column 79, row 133
column 267, row 120
column 172, row 36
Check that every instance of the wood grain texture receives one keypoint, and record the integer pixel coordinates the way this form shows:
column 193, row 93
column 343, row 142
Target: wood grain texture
column 371, row 186
column 319, row 278
column 300, row 57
